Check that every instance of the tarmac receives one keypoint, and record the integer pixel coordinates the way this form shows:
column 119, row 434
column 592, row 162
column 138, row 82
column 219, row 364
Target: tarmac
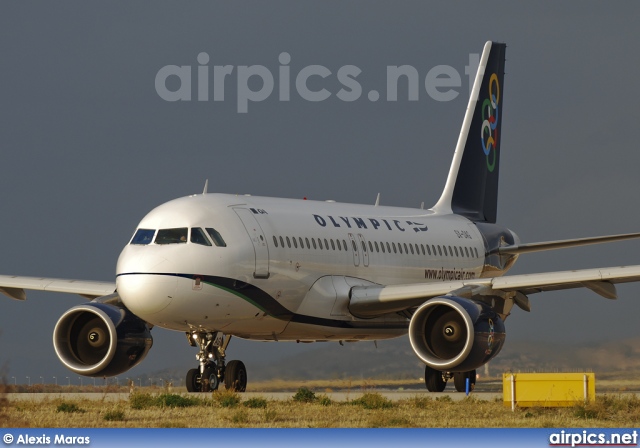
column 394, row 395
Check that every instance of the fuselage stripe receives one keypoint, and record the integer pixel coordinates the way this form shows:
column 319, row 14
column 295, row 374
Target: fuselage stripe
column 263, row 301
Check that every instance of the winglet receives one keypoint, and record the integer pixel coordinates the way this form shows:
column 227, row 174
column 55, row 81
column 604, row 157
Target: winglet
column 472, row 185
column 206, row 185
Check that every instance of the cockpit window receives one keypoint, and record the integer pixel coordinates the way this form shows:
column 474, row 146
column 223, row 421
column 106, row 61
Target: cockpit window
column 198, row 237
column 216, row 237
column 143, row 236
column 172, row 236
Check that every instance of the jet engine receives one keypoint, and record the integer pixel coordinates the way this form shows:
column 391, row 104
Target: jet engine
column 98, row 339
column 452, row 334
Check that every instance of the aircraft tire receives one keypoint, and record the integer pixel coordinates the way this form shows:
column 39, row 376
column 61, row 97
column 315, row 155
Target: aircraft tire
column 433, row 380
column 209, row 380
column 235, row 376
column 460, row 380
column 193, row 380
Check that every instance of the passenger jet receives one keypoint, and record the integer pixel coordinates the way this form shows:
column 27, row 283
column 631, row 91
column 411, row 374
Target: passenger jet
column 213, row 266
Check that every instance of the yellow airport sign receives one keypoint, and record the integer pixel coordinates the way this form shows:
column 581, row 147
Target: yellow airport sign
column 548, row 389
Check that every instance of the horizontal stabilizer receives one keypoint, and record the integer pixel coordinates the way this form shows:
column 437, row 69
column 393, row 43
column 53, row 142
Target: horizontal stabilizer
column 563, row 244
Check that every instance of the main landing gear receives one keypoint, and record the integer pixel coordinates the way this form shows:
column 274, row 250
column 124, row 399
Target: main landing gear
column 213, row 371
column 436, row 380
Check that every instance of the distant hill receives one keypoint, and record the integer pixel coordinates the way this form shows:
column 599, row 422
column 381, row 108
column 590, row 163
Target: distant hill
column 394, row 359
column 622, row 355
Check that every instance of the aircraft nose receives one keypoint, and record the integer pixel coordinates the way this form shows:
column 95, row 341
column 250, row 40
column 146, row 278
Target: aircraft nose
column 146, row 280
column 146, row 294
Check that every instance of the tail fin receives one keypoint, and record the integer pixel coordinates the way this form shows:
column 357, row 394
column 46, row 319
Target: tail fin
column 472, row 186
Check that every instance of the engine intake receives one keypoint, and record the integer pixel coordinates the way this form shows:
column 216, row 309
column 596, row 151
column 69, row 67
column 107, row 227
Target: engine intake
column 455, row 334
column 97, row 339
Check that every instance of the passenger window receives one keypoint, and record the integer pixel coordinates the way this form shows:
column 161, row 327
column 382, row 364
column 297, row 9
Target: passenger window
column 313, row 241
column 198, row 237
column 395, row 251
column 320, row 243
column 428, row 250
column 422, row 247
column 288, row 243
column 333, row 246
column 282, row 242
column 307, row 241
column 377, row 249
column 344, row 245
column 275, row 241
column 364, row 247
column 216, row 237
column 295, row 243
column 440, row 250
column 326, row 244
column 143, row 237
column 400, row 247
column 410, row 247
column 355, row 248
column 172, row 236
column 456, row 249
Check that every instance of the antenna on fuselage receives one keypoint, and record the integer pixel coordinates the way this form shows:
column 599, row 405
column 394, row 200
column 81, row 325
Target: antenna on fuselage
column 206, row 185
column 377, row 200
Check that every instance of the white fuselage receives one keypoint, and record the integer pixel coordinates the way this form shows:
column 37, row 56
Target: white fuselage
column 288, row 265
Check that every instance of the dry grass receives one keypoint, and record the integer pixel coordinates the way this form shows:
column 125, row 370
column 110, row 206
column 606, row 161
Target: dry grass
column 226, row 409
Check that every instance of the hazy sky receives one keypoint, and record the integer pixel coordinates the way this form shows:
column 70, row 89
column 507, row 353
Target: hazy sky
column 88, row 147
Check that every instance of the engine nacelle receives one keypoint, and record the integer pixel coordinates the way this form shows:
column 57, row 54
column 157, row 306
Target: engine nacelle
column 97, row 339
column 453, row 334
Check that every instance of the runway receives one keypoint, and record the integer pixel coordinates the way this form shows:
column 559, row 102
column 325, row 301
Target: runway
column 340, row 396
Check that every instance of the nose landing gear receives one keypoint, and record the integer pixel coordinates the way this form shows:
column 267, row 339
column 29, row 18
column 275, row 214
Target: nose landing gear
column 212, row 370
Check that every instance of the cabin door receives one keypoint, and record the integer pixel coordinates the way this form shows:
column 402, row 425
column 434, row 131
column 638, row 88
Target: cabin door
column 260, row 247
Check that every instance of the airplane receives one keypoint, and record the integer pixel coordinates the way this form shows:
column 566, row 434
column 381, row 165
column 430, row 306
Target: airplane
column 214, row 266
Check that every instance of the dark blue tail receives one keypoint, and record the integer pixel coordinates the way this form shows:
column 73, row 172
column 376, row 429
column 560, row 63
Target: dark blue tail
column 472, row 185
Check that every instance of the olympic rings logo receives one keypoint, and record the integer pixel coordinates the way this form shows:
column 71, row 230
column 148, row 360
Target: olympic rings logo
column 490, row 338
column 490, row 119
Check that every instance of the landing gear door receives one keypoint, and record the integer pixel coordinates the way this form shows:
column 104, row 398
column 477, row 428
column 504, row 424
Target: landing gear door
column 259, row 242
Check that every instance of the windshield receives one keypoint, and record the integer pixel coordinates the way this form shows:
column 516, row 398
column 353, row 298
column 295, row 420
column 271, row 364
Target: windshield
column 172, row 236
column 143, row 236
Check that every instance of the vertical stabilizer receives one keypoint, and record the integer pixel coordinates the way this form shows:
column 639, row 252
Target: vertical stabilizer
column 472, row 185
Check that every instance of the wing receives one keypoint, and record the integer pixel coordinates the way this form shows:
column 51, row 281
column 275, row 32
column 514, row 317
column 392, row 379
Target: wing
column 14, row 286
column 369, row 301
